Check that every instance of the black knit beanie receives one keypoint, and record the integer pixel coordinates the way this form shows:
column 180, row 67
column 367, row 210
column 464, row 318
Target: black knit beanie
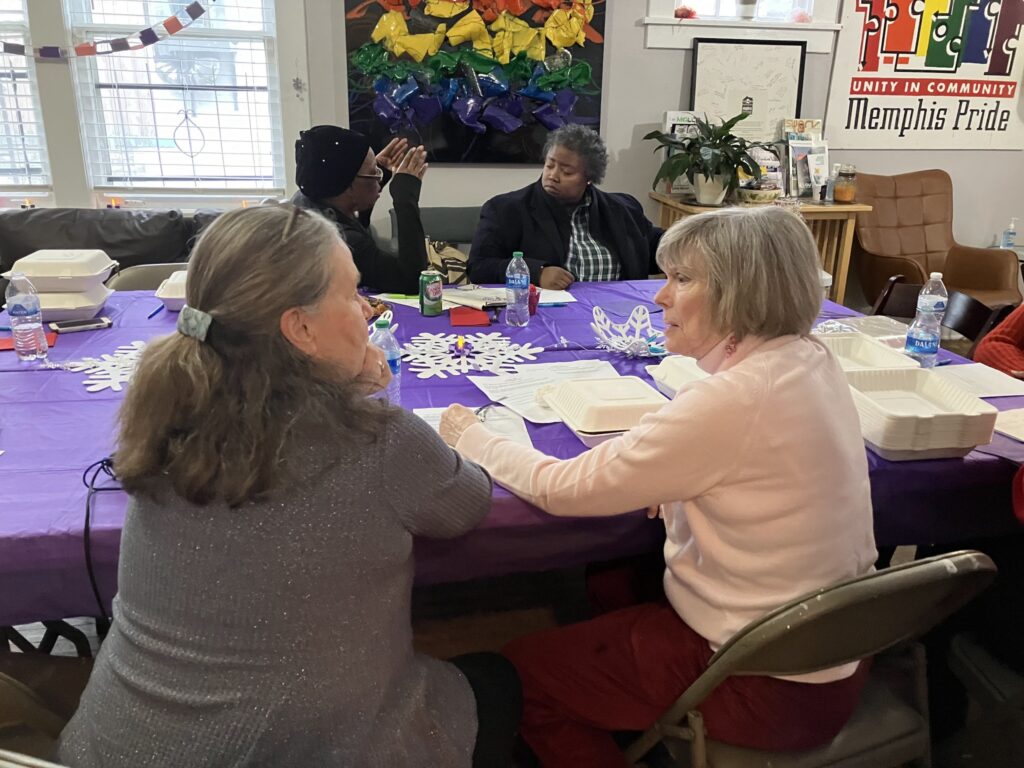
column 327, row 159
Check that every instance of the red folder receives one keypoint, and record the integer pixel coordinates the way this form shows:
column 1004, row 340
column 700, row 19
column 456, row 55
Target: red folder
column 468, row 316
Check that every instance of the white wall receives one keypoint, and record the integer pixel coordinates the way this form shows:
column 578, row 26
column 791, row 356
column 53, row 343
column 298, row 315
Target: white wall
column 639, row 85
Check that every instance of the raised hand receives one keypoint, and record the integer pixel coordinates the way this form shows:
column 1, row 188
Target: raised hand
column 389, row 157
column 414, row 163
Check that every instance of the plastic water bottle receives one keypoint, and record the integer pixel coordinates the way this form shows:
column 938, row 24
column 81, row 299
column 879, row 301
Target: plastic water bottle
column 1009, row 238
column 926, row 330
column 517, row 291
column 26, row 318
column 385, row 340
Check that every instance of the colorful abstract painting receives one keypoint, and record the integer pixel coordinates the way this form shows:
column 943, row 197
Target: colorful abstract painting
column 474, row 81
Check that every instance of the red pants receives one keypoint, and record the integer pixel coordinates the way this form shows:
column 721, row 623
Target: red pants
column 622, row 670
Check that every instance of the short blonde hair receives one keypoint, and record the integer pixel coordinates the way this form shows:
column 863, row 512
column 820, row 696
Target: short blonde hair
column 761, row 267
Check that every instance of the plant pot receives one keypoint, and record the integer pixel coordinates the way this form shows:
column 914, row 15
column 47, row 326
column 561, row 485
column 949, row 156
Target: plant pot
column 746, row 10
column 710, row 191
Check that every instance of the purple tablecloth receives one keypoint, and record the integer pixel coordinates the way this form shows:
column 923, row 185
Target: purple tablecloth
column 52, row 429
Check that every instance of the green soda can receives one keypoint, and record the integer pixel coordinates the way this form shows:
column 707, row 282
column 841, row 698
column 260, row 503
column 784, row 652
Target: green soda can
column 430, row 292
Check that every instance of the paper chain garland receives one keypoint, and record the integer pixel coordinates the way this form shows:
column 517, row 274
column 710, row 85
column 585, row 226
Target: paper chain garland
column 169, row 26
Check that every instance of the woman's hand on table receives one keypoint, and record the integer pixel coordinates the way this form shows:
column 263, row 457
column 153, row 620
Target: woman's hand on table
column 375, row 373
column 555, row 278
column 389, row 157
column 454, row 421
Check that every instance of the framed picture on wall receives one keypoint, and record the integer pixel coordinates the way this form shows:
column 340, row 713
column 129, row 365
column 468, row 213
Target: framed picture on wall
column 763, row 78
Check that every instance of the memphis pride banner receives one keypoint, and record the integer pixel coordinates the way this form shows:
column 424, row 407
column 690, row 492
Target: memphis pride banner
column 928, row 74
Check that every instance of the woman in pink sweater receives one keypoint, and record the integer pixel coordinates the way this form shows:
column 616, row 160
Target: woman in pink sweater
column 760, row 475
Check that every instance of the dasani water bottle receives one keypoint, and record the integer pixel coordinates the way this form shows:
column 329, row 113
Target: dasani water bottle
column 517, row 291
column 385, row 340
column 925, row 332
column 26, row 318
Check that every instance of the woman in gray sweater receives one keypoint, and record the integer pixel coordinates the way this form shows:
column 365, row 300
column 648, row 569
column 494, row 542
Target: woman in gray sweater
column 262, row 615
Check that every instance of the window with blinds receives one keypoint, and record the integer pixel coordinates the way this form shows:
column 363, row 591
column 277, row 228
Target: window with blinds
column 198, row 110
column 23, row 161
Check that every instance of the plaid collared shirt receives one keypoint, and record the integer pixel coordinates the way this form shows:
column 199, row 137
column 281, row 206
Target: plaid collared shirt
column 588, row 259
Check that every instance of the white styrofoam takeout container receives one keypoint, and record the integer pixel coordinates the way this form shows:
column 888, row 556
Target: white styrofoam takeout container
column 172, row 291
column 910, row 413
column 64, row 270
column 859, row 352
column 673, row 372
column 604, row 405
column 82, row 305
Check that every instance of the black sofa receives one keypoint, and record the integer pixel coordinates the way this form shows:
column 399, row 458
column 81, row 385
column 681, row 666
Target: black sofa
column 129, row 237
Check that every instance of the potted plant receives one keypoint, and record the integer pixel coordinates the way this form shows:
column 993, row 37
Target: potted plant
column 709, row 158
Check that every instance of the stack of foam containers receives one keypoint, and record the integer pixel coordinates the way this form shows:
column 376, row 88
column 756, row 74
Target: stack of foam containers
column 69, row 282
column 911, row 413
column 906, row 412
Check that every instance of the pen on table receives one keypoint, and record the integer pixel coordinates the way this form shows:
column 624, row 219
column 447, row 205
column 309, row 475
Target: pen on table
column 155, row 312
column 5, row 328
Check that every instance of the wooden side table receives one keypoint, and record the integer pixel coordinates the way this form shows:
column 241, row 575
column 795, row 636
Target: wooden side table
column 830, row 223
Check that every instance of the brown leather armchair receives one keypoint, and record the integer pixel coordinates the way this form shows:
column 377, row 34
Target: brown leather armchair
column 909, row 231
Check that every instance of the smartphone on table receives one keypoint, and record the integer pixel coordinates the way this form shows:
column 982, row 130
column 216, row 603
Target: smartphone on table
column 70, row 326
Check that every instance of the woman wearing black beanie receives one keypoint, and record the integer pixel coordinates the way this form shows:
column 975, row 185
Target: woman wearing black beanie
column 339, row 176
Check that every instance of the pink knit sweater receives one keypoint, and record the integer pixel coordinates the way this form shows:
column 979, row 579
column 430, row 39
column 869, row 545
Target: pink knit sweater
column 760, row 472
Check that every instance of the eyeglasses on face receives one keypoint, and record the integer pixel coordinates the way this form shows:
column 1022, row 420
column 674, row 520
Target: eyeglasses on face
column 378, row 175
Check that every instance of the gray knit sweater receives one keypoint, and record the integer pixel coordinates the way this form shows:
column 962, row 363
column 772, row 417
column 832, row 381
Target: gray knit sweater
column 278, row 634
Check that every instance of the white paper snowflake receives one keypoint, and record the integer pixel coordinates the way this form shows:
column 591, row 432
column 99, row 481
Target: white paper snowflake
column 108, row 371
column 437, row 354
column 634, row 338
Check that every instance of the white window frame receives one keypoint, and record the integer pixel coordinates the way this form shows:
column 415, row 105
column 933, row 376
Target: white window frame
column 663, row 30
column 69, row 185
column 28, row 195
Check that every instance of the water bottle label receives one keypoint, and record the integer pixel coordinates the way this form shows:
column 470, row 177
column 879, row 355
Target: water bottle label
column 518, row 282
column 20, row 310
column 922, row 346
column 395, row 364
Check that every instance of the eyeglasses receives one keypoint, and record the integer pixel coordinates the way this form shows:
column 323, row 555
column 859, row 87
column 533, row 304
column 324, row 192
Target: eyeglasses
column 379, row 175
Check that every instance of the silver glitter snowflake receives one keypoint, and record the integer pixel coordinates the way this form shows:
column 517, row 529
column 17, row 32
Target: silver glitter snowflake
column 438, row 354
column 108, row 371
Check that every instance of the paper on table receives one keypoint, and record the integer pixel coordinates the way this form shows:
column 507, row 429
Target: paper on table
column 1011, row 423
column 551, row 296
column 501, row 421
column 982, row 381
column 390, row 298
column 518, row 391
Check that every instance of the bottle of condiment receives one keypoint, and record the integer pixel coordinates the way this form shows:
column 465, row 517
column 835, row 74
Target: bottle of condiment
column 846, row 184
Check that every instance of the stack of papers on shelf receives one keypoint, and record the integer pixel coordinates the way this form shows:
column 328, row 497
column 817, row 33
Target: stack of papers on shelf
column 910, row 413
column 518, row 391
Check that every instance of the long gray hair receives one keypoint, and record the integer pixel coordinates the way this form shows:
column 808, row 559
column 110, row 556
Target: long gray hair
column 212, row 417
